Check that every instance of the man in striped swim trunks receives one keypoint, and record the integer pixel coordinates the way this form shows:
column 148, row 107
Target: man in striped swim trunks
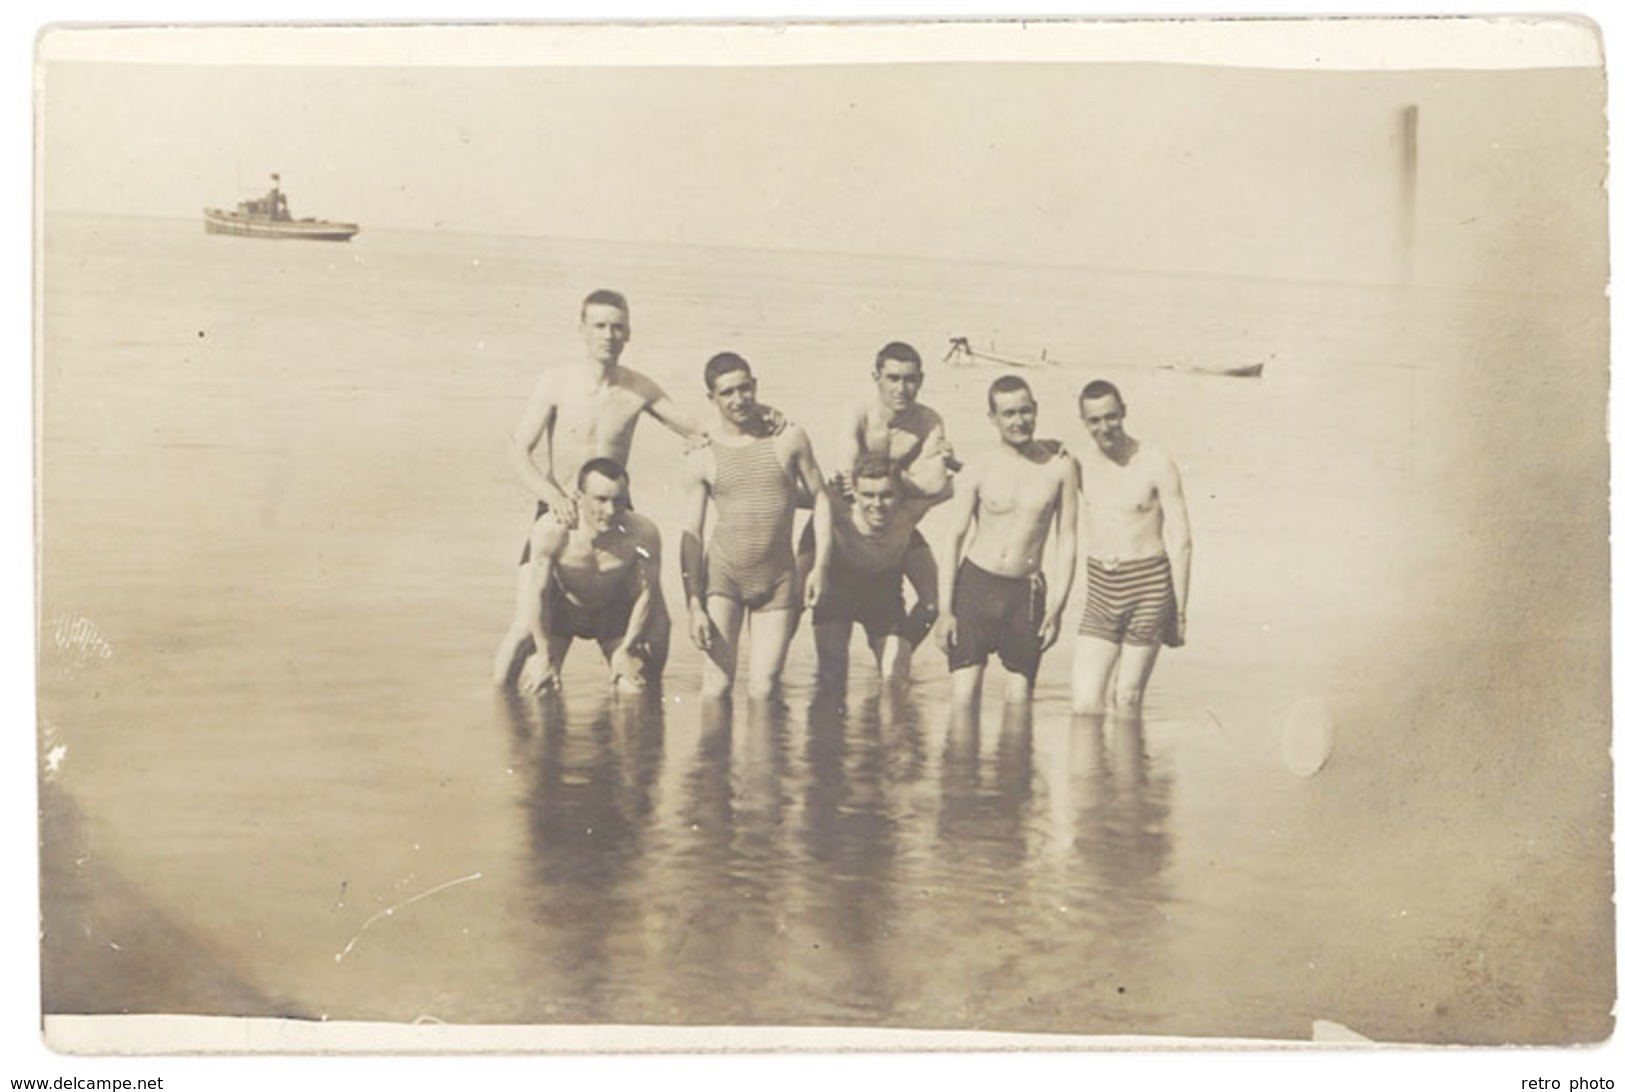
column 1139, row 564
column 749, row 567
column 993, row 595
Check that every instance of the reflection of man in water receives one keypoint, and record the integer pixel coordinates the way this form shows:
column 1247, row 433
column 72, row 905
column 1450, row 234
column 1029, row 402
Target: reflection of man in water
column 993, row 599
column 598, row 580
column 749, row 566
column 874, row 545
column 1139, row 562
column 897, row 425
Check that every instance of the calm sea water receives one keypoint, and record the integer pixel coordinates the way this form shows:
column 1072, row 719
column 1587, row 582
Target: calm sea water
column 278, row 537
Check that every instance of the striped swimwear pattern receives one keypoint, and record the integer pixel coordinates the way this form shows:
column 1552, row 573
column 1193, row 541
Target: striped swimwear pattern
column 756, row 508
column 1129, row 601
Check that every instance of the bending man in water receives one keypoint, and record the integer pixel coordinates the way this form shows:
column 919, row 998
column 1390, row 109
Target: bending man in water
column 874, row 545
column 750, row 565
column 578, row 412
column 993, row 598
column 1139, row 564
column 598, row 579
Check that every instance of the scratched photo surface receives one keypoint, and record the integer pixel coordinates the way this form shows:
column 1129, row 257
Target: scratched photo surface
column 1364, row 310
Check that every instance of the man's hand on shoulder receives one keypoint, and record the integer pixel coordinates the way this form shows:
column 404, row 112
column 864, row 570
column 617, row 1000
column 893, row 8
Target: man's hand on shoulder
column 770, row 421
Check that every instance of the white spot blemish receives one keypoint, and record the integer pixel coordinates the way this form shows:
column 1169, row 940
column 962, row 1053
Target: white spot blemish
column 1307, row 740
column 54, row 757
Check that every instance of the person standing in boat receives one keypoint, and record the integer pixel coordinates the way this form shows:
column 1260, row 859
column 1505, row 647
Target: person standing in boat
column 277, row 200
column 749, row 566
column 1139, row 558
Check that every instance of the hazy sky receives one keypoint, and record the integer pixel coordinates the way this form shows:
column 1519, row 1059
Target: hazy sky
column 1188, row 167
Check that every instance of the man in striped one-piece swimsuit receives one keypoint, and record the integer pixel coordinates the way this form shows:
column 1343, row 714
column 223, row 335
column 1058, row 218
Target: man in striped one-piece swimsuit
column 749, row 567
column 1139, row 561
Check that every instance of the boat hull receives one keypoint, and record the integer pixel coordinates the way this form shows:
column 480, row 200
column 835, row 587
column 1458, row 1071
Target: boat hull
column 217, row 222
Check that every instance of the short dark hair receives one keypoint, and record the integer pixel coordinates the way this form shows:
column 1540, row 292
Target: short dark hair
column 871, row 465
column 900, row 351
column 721, row 364
column 604, row 467
column 1099, row 388
column 1006, row 384
column 606, row 297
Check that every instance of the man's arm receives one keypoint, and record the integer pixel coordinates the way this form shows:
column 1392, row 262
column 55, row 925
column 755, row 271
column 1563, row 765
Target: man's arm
column 663, row 409
column 1176, row 536
column 920, row 570
column 547, row 538
column 848, row 446
column 647, row 545
column 960, row 512
column 624, row 670
column 812, row 483
column 930, row 475
column 530, row 450
column 1066, row 550
column 660, row 406
column 697, row 495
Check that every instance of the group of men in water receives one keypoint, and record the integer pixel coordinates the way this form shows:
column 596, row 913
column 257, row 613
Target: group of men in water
column 591, row 567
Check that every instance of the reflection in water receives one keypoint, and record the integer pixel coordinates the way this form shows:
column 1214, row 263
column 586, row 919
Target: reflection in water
column 732, row 873
column 851, row 835
column 1121, row 838
column 589, row 777
column 985, row 811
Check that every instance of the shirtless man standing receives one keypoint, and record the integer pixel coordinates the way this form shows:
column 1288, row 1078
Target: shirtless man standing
column 874, row 546
column 598, row 579
column 897, row 425
column 1139, row 563
column 749, row 566
column 993, row 598
column 576, row 413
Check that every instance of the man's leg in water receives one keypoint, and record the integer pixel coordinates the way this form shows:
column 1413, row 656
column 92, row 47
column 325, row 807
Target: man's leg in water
column 1093, row 661
column 723, row 658
column 1133, row 672
column 770, row 633
column 833, row 640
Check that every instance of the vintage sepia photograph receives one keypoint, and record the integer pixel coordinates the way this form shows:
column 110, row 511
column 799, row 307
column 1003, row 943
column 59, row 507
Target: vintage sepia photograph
column 823, row 536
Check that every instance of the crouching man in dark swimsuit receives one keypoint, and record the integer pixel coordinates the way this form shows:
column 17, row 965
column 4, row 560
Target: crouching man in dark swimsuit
column 875, row 546
column 598, row 580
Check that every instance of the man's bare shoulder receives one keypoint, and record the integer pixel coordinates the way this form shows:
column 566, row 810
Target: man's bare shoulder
column 698, row 463
column 640, row 529
column 636, row 383
column 1154, row 458
column 793, row 438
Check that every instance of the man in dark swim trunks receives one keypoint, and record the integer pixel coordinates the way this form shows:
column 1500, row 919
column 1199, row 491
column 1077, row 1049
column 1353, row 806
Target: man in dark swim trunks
column 749, row 565
column 874, row 547
column 598, row 580
column 993, row 597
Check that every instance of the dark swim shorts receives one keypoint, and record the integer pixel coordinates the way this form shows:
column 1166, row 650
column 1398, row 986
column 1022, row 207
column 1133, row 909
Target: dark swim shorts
column 566, row 618
column 873, row 600
column 997, row 614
